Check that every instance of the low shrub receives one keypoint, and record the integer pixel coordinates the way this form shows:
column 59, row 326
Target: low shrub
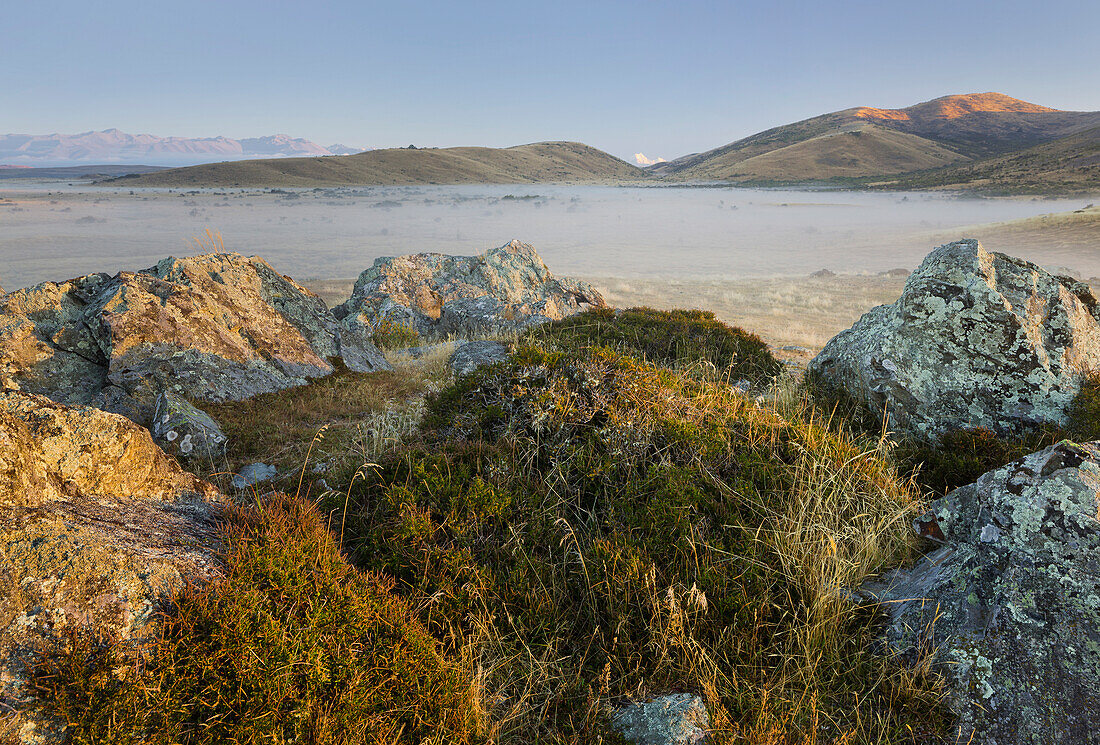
column 677, row 338
column 586, row 527
column 291, row 644
column 389, row 334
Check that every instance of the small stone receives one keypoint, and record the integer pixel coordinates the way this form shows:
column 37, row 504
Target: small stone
column 256, row 473
column 677, row 719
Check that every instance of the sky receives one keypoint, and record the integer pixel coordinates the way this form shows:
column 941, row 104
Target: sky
column 660, row 78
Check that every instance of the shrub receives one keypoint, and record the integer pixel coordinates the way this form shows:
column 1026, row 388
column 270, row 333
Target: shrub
column 678, row 338
column 291, row 645
column 389, row 334
column 1084, row 411
column 961, row 456
column 587, row 527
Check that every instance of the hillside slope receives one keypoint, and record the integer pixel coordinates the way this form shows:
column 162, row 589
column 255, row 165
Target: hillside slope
column 535, row 163
column 1067, row 164
column 892, row 141
column 844, row 153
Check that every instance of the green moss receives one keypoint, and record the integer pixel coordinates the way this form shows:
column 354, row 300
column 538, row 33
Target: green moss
column 961, row 456
column 679, row 338
column 291, row 645
column 1084, row 411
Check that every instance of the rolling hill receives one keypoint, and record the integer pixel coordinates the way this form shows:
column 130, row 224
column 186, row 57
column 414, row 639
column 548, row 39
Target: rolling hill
column 1068, row 164
column 866, row 142
column 535, row 163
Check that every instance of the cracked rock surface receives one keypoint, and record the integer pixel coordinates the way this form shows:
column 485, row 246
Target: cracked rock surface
column 977, row 339
column 215, row 327
column 505, row 289
column 97, row 525
column 1010, row 601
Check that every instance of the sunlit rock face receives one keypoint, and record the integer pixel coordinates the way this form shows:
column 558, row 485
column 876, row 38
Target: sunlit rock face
column 1010, row 602
column 214, row 327
column 977, row 339
column 97, row 526
column 504, row 289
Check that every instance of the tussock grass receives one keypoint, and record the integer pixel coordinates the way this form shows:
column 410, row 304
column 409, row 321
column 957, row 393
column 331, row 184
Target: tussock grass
column 602, row 517
column 340, row 422
column 586, row 527
column 291, row 644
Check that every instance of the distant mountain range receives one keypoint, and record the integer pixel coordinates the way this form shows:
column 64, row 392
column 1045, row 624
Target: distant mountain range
column 115, row 146
column 869, row 143
column 977, row 141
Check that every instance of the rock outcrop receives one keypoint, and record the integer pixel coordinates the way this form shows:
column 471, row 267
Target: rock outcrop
column 977, row 339
column 214, row 327
column 504, row 289
column 97, row 524
column 678, row 719
column 1010, row 603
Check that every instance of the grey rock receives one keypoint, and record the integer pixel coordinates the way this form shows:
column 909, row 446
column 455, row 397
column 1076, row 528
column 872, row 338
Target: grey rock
column 677, row 719
column 186, row 431
column 505, row 289
column 473, row 354
column 211, row 328
column 255, row 473
column 977, row 339
column 1010, row 601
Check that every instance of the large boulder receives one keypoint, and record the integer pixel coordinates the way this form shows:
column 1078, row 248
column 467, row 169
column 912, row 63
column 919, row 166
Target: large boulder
column 977, row 339
column 1010, row 602
column 214, row 327
column 504, row 289
column 97, row 527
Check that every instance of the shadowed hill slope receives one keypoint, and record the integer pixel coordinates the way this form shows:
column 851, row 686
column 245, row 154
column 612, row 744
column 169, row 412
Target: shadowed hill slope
column 535, row 163
column 1067, row 164
column 891, row 141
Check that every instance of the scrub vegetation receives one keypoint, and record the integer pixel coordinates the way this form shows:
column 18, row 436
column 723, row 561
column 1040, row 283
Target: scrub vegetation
column 602, row 517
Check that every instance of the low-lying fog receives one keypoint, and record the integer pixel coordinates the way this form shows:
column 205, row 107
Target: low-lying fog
column 55, row 231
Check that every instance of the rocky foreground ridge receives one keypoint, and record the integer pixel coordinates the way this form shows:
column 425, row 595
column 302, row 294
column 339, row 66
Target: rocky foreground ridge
column 98, row 524
column 212, row 328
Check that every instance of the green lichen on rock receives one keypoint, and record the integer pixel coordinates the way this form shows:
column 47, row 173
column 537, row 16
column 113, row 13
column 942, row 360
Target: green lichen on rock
column 977, row 339
column 1011, row 599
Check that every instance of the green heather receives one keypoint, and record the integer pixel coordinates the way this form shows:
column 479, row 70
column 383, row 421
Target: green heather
column 602, row 516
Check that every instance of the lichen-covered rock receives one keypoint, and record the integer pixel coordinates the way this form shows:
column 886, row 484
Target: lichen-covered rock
column 186, row 431
column 504, row 289
column 473, row 354
column 977, row 339
column 252, row 474
column 678, row 719
column 214, row 327
column 97, row 525
column 1010, row 602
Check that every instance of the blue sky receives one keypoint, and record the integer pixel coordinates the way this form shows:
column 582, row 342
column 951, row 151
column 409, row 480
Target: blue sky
column 663, row 78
